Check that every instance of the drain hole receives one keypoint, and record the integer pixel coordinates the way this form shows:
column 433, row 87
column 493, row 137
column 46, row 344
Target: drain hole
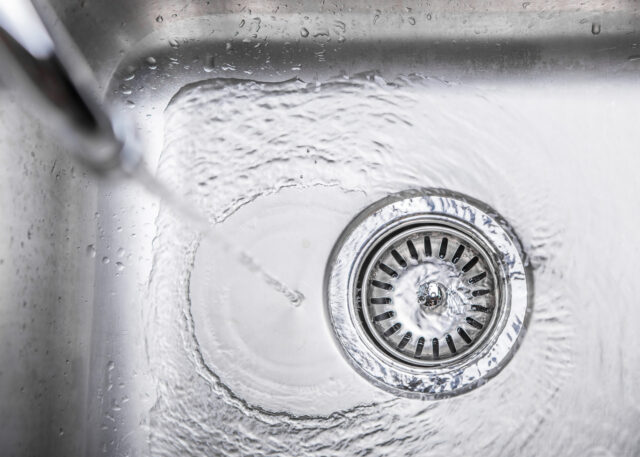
column 381, row 285
column 384, row 316
column 412, row 250
column 427, row 246
column 480, row 293
column 474, row 323
column 404, row 341
column 452, row 347
column 464, row 335
column 396, row 255
column 470, row 264
column 393, row 329
column 478, row 278
column 388, row 270
column 443, row 248
column 419, row 347
column 457, row 254
column 479, row 308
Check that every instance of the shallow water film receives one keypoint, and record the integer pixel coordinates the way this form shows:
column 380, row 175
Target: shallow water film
column 242, row 354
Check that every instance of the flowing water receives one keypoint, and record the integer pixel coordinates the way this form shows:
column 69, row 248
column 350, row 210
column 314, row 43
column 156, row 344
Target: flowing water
column 244, row 359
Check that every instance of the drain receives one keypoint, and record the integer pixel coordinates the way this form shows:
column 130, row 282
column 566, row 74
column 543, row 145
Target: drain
column 427, row 293
column 424, row 307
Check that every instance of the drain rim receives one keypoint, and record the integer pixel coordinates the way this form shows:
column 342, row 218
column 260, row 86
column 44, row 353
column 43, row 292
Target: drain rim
column 388, row 215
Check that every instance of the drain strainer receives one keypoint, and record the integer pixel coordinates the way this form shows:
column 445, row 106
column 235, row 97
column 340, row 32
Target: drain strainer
column 427, row 293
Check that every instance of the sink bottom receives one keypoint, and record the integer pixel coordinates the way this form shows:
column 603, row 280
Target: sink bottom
column 280, row 168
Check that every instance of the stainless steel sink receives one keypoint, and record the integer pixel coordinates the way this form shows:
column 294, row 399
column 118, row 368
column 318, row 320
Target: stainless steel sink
column 122, row 332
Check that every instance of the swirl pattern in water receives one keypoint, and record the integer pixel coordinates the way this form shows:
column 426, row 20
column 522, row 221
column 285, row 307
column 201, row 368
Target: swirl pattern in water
column 244, row 359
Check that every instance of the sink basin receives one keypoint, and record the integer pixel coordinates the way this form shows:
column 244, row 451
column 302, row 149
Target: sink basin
column 125, row 332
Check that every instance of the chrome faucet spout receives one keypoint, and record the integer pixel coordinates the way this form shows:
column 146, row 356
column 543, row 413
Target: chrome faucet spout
column 57, row 84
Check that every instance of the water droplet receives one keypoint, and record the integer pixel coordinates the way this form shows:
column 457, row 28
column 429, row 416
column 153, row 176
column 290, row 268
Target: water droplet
column 428, row 16
column 91, row 251
column 595, row 28
column 376, row 17
column 120, row 266
column 525, row 4
column 174, row 43
column 209, row 64
column 130, row 73
column 634, row 58
column 151, row 63
column 120, row 252
column 61, row 431
column 412, row 20
column 125, row 89
column 304, row 32
column 106, row 260
column 159, row 19
column 131, row 104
